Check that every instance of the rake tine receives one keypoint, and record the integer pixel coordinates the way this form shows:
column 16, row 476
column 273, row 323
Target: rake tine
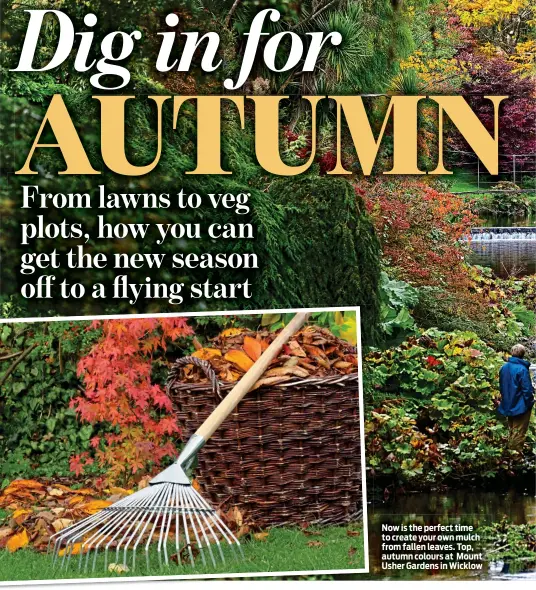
column 190, row 511
column 220, row 525
column 144, row 515
column 177, row 525
column 185, row 526
column 115, row 520
column 166, row 521
column 159, row 494
column 166, row 493
column 207, row 522
column 201, row 527
column 140, row 508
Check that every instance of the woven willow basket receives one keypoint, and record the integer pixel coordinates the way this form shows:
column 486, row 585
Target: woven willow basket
column 289, row 454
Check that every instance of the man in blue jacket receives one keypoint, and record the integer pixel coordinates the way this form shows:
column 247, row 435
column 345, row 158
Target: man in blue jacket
column 517, row 396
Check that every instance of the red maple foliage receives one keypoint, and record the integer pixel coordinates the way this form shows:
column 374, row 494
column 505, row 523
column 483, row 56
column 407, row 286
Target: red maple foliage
column 119, row 393
column 419, row 229
column 494, row 76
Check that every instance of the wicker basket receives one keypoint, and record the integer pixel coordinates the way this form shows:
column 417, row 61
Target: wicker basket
column 289, row 453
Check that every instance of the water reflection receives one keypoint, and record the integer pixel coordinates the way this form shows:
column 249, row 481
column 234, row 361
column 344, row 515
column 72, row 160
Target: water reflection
column 505, row 257
column 457, row 507
column 509, row 221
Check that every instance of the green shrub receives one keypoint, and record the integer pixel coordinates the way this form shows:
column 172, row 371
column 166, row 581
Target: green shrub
column 497, row 325
column 510, row 204
column 326, row 253
column 38, row 431
column 397, row 299
column 431, row 410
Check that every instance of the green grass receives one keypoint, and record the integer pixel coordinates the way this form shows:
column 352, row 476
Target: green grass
column 285, row 550
column 463, row 182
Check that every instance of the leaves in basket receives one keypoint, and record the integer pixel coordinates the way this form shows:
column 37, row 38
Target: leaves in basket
column 296, row 349
column 252, row 347
column 206, row 353
column 318, row 355
column 230, row 332
column 270, row 381
column 239, row 359
column 312, row 352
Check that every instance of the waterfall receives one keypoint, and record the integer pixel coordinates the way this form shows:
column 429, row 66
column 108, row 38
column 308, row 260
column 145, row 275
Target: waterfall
column 486, row 234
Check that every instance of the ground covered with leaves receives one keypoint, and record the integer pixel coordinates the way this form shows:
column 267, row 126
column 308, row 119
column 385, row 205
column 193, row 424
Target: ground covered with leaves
column 31, row 511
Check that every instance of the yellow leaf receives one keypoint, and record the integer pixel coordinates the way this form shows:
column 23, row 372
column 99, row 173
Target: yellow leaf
column 54, row 492
column 240, row 359
column 73, row 550
column 206, row 353
column 18, row 541
column 348, row 330
column 261, row 536
column 230, row 332
column 118, row 568
column 19, row 516
column 252, row 347
column 95, row 506
column 116, row 490
column 85, row 492
column 270, row 318
column 26, row 484
column 339, row 318
column 61, row 523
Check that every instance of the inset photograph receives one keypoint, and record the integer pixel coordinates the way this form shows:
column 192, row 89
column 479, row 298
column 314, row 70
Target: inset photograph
column 198, row 445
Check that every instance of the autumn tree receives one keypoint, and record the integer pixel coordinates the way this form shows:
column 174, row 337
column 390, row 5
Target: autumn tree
column 119, row 393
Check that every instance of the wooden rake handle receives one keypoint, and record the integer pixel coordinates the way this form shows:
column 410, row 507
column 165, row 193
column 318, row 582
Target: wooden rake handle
column 231, row 400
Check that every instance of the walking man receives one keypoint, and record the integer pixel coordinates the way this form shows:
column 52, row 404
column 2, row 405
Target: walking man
column 517, row 396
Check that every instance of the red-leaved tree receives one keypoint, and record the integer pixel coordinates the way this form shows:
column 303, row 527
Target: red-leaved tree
column 120, row 395
column 494, row 76
column 419, row 229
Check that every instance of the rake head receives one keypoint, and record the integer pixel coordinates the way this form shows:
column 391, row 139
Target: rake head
column 172, row 516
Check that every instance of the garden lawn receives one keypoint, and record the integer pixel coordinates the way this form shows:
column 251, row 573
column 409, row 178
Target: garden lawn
column 463, row 182
column 283, row 550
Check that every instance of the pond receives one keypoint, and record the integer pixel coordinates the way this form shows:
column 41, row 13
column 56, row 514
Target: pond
column 508, row 255
column 466, row 507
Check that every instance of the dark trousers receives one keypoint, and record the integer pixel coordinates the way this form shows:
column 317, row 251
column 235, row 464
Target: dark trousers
column 518, row 426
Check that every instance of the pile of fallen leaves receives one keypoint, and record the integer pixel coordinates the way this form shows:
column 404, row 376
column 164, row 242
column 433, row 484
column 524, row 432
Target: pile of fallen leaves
column 38, row 510
column 311, row 352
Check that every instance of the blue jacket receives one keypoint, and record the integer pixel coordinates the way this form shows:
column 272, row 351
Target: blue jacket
column 517, row 393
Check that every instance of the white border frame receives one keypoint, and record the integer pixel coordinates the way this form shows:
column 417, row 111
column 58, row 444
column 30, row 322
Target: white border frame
column 364, row 570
